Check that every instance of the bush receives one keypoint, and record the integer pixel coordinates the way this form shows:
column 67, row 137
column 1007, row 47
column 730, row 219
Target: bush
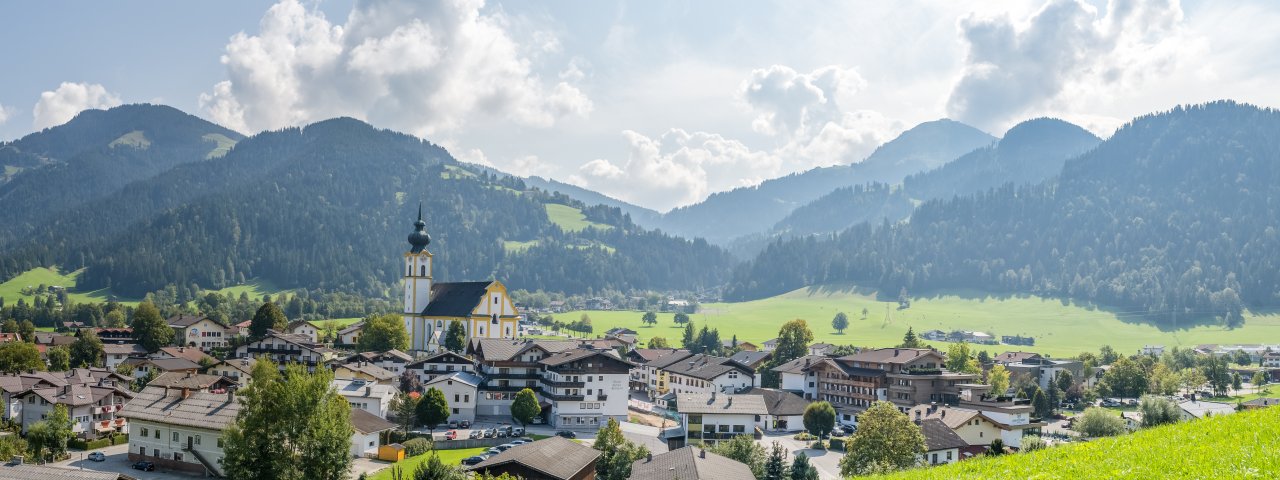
column 819, row 446
column 1099, row 422
column 119, row 439
column 78, row 444
column 804, row 437
column 1031, row 443
column 837, row 444
column 416, row 446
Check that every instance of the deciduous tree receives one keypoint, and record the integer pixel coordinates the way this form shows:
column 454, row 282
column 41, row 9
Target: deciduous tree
column 268, row 317
column 382, row 333
column 86, row 351
column 16, row 357
column 998, row 378
column 840, row 322
column 886, row 440
column 60, row 359
column 1099, row 422
column 616, row 452
column 744, row 449
column 793, row 342
column 658, row 342
column 649, row 318
column 149, row 329
column 819, row 419
column 1158, row 411
column 525, row 407
column 433, row 409
column 960, row 359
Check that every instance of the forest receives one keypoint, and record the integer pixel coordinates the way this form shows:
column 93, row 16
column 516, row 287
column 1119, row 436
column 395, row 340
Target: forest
column 1173, row 217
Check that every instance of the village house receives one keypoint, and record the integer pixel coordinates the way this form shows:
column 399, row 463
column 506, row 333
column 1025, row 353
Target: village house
column 461, row 390
column 1271, row 360
column 688, row 463
column 1046, row 370
column 143, row 366
column 1195, row 409
column 784, row 410
column 92, row 407
column 644, row 374
column 707, row 373
column 552, row 458
column 393, row 360
column 709, row 418
column 1262, row 402
column 13, row 384
column 796, row 376
column 195, row 382
column 116, row 335
column 942, row 444
column 362, row 370
column 371, row 397
column 751, row 359
column 349, row 337
column 585, row 387
column 980, row 427
column 741, row 345
column 194, row 354
column 237, row 370
column 115, row 354
column 304, row 328
column 180, row 429
column 905, row 376
column 367, row 436
column 769, row 345
column 199, row 331
column 440, row 364
column 509, row 366
column 821, row 348
column 286, row 348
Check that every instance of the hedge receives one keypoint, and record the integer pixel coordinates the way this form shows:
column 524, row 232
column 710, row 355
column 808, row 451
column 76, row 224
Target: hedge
column 78, row 444
column 837, row 443
column 416, row 446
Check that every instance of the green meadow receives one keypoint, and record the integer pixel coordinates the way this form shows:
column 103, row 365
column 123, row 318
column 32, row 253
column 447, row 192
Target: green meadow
column 571, row 219
column 11, row 290
column 1060, row 328
column 1238, row 446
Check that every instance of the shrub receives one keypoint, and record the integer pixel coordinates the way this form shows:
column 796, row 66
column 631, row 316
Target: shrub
column 416, row 446
column 819, row 446
column 78, row 444
column 1031, row 443
column 804, row 436
column 119, row 439
column 1099, row 422
column 837, row 444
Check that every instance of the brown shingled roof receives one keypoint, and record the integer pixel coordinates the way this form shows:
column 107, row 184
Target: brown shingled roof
column 213, row 411
column 689, row 463
column 554, row 457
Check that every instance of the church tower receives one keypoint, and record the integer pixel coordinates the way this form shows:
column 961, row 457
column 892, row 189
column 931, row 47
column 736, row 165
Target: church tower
column 417, row 283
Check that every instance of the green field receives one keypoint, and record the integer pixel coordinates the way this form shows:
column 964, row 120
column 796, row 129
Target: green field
column 256, row 288
column 513, row 246
column 571, row 219
column 1059, row 329
column 135, row 139
column 1236, row 446
column 222, row 142
column 448, row 457
column 11, row 290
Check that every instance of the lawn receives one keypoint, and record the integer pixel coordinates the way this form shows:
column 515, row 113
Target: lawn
column 1232, row 446
column 571, row 219
column 11, row 290
column 1059, row 329
column 448, row 457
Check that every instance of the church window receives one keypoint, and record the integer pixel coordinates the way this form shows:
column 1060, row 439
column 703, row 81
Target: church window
column 424, row 270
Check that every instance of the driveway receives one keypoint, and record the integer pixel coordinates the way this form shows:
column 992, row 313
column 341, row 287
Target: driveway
column 827, row 462
column 118, row 462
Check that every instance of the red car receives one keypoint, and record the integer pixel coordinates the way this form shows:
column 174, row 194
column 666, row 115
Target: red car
column 451, row 435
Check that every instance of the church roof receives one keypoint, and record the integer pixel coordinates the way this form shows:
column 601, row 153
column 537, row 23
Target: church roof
column 455, row 299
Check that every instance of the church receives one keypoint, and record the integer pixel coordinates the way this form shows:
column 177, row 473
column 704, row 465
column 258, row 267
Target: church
column 484, row 308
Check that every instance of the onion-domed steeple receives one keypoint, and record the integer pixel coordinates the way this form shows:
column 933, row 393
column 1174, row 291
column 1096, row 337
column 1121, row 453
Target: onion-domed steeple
column 419, row 238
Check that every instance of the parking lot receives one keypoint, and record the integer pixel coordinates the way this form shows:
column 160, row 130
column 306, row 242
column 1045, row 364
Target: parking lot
column 118, row 462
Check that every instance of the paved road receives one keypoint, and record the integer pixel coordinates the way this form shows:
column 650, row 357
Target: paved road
column 118, row 462
column 827, row 462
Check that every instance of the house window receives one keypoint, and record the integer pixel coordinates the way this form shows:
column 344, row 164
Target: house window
column 466, row 398
column 157, row 438
column 175, row 436
column 455, row 411
column 144, row 431
column 155, row 452
column 177, row 457
column 197, row 439
column 739, row 429
column 142, row 451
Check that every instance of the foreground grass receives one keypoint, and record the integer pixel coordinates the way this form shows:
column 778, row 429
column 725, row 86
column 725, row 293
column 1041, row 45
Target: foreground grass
column 1237, row 446
column 11, row 290
column 1059, row 329
column 448, row 457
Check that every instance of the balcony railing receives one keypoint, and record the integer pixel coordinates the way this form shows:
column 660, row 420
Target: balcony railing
column 560, row 384
column 564, row 398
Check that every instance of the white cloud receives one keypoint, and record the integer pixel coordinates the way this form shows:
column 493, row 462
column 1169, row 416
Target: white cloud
column 4, row 114
column 58, row 106
column 429, row 68
column 809, row 116
column 1062, row 56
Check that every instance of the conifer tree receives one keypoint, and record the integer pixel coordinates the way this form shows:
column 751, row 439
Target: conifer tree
column 455, row 337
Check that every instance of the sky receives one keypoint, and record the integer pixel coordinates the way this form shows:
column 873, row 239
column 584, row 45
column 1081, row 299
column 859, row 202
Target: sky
column 658, row 103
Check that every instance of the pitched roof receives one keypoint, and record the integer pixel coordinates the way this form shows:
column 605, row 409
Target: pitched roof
column 779, row 402
column 798, row 365
column 1014, row 357
column 363, row 388
column 443, row 356
column 1201, row 409
column 75, row 395
column 939, row 436
column 194, row 381
column 750, row 358
column 890, row 355
column 650, row 354
column 953, row 417
column 366, row 423
column 183, row 320
column 378, row 373
column 671, row 357
column 166, row 364
column 704, row 367
column 455, row 299
column 213, row 411
column 1262, row 402
column 244, row 365
column 721, row 403
column 123, row 349
column 561, row 358
column 351, row 328
column 554, row 457
column 498, row 349
column 28, row 471
column 190, row 353
column 464, row 377
column 689, row 463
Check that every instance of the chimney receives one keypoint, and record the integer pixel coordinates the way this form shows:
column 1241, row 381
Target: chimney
column 186, row 392
column 895, row 352
column 231, row 395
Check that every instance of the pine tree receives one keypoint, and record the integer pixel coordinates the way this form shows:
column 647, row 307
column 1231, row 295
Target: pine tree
column 909, row 340
column 801, row 469
column 268, row 317
column 775, row 467
column 689, row 341
column 455, row 338
column 617, row 453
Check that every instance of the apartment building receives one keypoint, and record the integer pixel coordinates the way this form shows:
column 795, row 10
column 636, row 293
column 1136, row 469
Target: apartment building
column 461, row 390
column 442, row 363
column 371, row 397
column 285, row 348
column 709, row 418
column 904, row 376
column 93, row 408
column 707, row 373
column 585, row 387
column 796, row 376
column 199, row 331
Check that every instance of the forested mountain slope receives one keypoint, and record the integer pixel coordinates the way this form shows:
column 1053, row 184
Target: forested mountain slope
column 94, row 155
column 329, row 206
column 1175, row 215
column 743, row 211
column 1029, row 153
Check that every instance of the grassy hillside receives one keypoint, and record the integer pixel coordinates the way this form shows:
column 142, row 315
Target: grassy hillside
column 571, row 219
column 256, row 288
column 1059, row 329
column 1235, row 446
column 11, row 290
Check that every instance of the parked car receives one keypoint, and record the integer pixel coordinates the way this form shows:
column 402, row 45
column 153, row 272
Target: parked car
column 144, row 466
column 476, row 434
column 502, row 434
column 474, row 460
column 453, row 424
column 518, row 442
column 493, row 451
column 566, row 434
column 97, row 457
column 451, row 435
column 506, row 446
column 464, row 424
column 490, row 433
column 526, row 439
column 517, row 432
